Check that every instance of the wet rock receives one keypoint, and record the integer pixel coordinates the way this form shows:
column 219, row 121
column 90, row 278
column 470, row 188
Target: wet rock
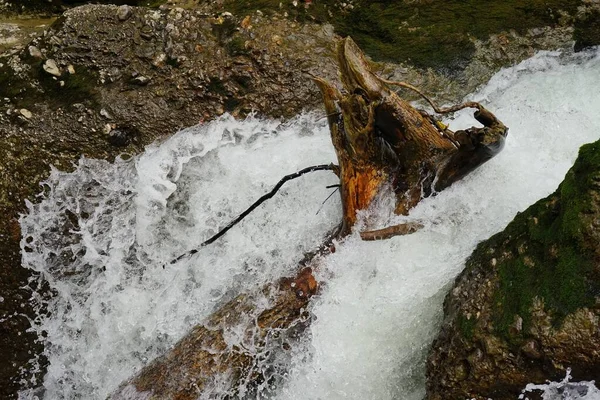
column 538, row 304
column 51, row 68
column 531, row 349
column 277, row 40
column 105, row 114
column 118, row 137
column 160, row 60
column 196, row 78
column 587, row 26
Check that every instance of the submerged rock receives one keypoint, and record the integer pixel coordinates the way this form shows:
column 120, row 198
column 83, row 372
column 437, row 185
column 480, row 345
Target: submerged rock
column 527, row 305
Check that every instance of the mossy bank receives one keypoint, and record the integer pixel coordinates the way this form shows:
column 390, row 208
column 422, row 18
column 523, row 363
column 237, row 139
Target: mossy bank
column 527, row 305
column 435, row 34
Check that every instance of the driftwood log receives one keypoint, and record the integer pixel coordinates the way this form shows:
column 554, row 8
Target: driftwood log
column 381, row 142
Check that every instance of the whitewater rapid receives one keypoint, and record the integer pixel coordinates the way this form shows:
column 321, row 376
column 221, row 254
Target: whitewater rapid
column 100, row 236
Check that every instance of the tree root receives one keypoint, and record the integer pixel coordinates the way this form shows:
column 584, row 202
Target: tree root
column 391, row 231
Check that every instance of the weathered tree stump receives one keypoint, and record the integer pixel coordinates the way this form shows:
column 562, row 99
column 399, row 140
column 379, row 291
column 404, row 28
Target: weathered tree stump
column 381, row 139
column 381, row 142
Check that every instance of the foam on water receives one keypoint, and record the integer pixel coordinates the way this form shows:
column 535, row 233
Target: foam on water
column 564, row 390
column 100, row 236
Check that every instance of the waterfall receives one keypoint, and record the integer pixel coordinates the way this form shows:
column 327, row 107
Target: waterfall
column 100, row 236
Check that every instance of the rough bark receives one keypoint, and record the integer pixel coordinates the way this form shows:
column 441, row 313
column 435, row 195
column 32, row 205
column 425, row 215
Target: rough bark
column 380, row 140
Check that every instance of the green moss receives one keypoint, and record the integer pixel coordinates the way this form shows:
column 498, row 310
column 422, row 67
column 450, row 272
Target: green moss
column 77, row 88
column 587, row 31
column 466, row 326
column 584, row 176
column 236, row 46
column 432, row 33
column 551, row 257
column 561, row 284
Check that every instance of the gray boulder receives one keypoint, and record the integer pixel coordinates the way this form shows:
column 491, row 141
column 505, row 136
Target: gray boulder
column 527, row 305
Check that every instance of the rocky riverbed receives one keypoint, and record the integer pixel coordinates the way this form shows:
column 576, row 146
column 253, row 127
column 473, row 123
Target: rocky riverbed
column 108, row 79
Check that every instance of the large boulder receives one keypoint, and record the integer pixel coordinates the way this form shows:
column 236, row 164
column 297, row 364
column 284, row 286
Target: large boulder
column 527, row 305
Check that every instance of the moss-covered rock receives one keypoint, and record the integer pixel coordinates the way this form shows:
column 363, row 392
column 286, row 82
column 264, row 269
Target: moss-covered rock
column 587, row 26
column 527, row 305
column 435, row 33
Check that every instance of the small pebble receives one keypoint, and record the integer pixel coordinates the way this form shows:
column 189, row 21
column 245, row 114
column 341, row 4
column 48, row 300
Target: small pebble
column 26, row 113
column 124, row 12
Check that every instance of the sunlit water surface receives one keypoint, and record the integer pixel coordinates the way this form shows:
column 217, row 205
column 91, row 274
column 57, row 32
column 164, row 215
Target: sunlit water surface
column 99, row 236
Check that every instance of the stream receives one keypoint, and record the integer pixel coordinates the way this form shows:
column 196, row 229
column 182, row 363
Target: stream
column 99, row 237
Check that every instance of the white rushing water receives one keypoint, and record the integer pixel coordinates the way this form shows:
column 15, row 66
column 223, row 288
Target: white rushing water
column 101, row 235
column 564, row 390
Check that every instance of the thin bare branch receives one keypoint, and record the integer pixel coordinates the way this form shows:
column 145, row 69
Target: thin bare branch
column 446, row 110
column 323, row 167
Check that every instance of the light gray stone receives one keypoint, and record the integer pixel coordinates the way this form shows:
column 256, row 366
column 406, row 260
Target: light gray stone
column 35, row 52
column 51, row 67
column 124, row 12
column 26, row 113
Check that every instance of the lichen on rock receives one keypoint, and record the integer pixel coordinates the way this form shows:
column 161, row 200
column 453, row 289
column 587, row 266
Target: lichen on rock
column 527, row 305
